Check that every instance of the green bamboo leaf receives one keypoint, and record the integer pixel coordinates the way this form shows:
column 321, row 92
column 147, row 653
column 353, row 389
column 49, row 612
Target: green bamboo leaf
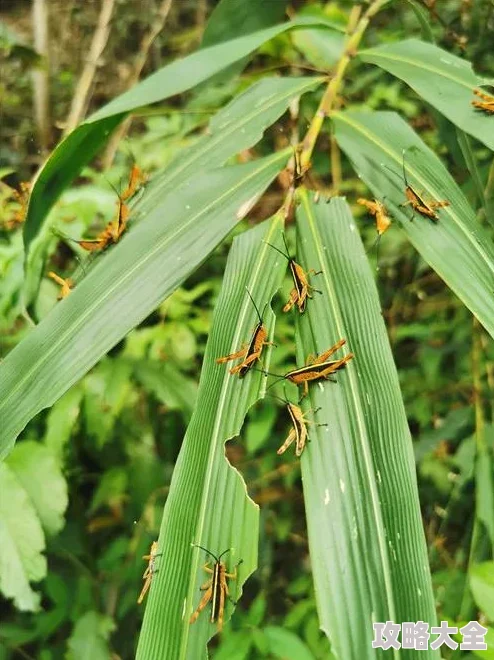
column 442, row 79
column 21, row 543
column 482, row 586
column 236, row 127
column 234, row 18
column 208, row 504
column 34, row 467
column 128, row 283
column 79, row 147
column 366, row 540
column 89, row 639
column 455, row 246
column 168, row 384
column 61, row 420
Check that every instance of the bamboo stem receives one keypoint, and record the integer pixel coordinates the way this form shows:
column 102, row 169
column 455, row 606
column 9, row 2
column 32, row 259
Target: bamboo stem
column 355, row 32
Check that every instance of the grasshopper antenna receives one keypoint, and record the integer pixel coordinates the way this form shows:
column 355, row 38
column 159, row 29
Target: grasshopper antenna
column 255, row 306
column 274, row 396
column 403, row 167
column 224, row 553
column 277, row 250
column 276, row 381
column 196, row 545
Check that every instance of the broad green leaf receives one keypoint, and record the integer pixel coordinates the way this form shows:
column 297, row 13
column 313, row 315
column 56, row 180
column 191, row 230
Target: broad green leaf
column 128, row 283
column 440, row 78
column 168, row 384
column 21, row 543
column 38, row 472
column 236, row 646
column 89, row 639
column 286, row 645
column 482, row 586
column 366, row 540
column 61, row 420
column 111, row 489
column 106, row 391
column 79, row 147
column 208, row 503
column 456, row 246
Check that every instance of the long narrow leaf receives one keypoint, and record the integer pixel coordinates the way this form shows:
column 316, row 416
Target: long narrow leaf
column 366, row 539
column 442, row 79
column 128, row 284
column 83, row 143
column 208, row 504
column 455, row 245
column 236, row 127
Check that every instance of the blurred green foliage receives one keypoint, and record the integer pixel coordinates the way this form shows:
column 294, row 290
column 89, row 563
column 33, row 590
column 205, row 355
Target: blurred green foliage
column 90, row 475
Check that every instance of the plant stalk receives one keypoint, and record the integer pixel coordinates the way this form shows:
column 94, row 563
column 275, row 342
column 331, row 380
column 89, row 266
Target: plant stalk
column 354, row 37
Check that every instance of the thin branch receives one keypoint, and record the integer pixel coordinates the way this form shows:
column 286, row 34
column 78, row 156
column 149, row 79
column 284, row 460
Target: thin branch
column 41, row 74
column 355, row 31
column 146, row 43
column 81, row 95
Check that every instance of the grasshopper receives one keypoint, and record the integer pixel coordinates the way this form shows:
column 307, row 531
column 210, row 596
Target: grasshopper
column 147, row 576
column 417, row 200
column 379, row 211
column 486, row 104
column 252, row 352
column 216, row 588
column 383, row 221
column 136, row 179
column 298, row 433
column 65, row 284
column 302, row 289
column 112, row 232
column 317, row 368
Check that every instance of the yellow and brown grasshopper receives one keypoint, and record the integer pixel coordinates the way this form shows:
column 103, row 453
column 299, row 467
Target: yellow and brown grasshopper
column 216, row 588
column 317, row 368
column 417, row 200
column 136, row 179
column 379, row 211
column 65, row 284
column 151, row 569
column 112, row 232
column 298, row 433
column 486, row 104
column 383, row 221
column 250, row 353
column 302, row 289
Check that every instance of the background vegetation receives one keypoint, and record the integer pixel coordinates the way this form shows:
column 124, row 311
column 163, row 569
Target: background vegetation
column 99, row 462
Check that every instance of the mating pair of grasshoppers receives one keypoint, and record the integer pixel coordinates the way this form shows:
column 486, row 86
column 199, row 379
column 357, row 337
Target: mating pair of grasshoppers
column 215, row 589
column 113, row 231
